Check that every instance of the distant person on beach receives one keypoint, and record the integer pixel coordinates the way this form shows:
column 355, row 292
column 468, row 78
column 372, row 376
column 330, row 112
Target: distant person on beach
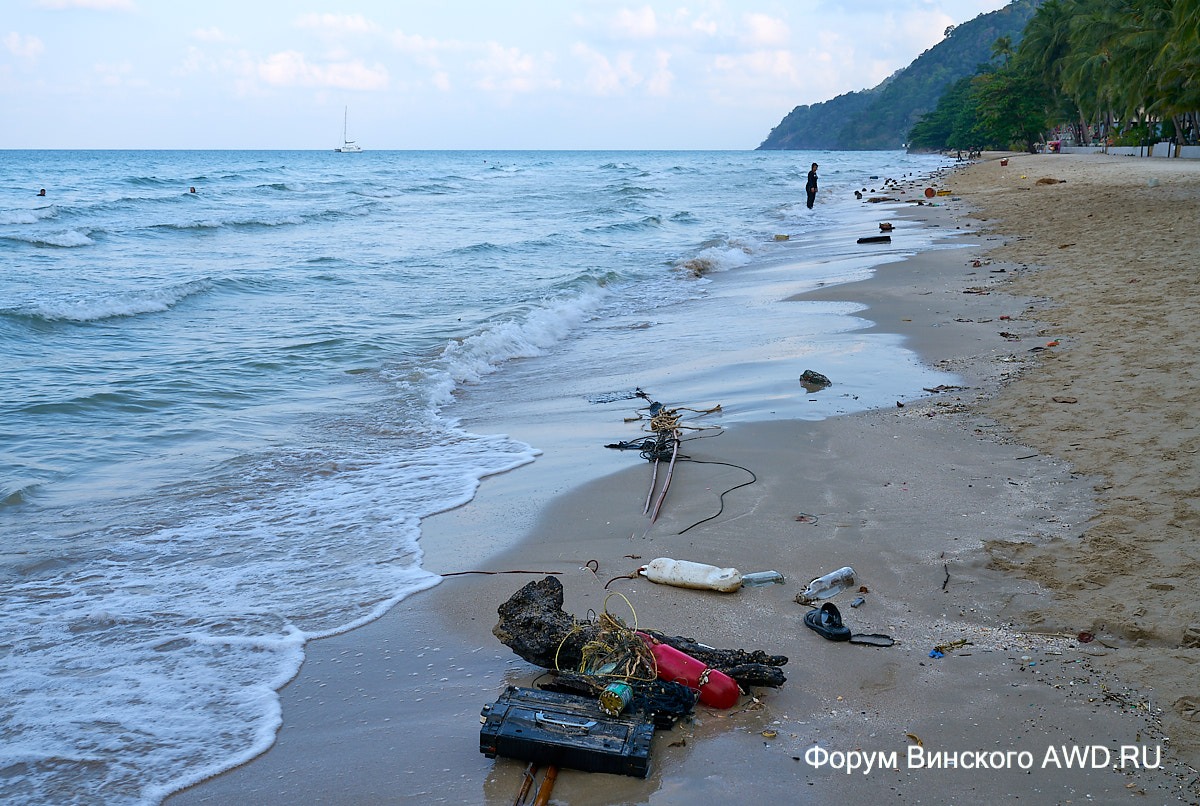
column 811, row 187
column 42, row 192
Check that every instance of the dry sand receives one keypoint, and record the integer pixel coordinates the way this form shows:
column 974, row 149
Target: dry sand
column 1121, row 251
column 990, row 514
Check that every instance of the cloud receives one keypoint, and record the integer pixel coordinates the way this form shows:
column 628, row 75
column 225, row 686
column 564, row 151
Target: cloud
column 764, row 31
column 210, row 34
column 662, row 80
column 510, row 70
column 646, row 23
column 291, row 69
column 24, row 47
column 94, row 5
column 425, row 51
column 115, row 75
column 605, row 76
column 777, row 65
column 639, row 23
column 337, row 23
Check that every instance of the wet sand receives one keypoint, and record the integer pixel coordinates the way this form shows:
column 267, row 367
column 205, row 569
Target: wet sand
column 989, row 514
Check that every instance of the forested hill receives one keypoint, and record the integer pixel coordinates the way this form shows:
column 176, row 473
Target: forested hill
column 880, row 118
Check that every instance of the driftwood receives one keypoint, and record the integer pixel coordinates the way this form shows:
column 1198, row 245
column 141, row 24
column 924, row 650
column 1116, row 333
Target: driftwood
column 533, row 625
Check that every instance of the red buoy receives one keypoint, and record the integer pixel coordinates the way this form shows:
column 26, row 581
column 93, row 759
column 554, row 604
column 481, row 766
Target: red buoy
column 717, row 689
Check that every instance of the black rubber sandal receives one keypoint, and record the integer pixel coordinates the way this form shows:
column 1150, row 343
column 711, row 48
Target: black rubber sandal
column 827, row 622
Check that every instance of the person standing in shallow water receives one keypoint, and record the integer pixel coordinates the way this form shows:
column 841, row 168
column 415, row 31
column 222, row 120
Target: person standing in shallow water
column 811, row 187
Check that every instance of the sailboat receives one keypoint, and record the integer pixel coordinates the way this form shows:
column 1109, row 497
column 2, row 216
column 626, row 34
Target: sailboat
column 347, row 146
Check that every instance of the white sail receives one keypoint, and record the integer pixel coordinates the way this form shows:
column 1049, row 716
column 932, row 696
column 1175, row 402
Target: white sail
column 348, row 146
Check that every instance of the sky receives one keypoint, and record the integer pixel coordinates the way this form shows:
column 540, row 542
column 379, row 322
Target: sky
column 442, row 74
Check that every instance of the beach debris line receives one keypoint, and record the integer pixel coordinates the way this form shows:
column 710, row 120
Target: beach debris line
column 701, row 576
column 533, row 624
column 688, row 574
column 547, row 787
column 530, row 776
column 564, row 730
column 826, row 621
column 940, row 650
column 493, row 573
column 614, row 686
column 756, row 579
column 831, row 584
column 668, row 427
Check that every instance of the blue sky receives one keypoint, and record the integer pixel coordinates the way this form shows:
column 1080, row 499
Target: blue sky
column 442, row 74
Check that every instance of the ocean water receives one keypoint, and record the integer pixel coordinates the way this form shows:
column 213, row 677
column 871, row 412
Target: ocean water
column 225, row 413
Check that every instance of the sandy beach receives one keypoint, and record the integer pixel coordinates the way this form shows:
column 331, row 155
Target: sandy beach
column 1052, row 494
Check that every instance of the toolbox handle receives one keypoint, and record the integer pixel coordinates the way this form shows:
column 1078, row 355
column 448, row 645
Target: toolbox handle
column 542, row 719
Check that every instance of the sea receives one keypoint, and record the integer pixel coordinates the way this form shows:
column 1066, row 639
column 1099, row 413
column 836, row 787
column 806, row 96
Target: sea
column 234, row 383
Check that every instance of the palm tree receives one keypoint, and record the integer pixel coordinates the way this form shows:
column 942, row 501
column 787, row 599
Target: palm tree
column 1089, row 68
column 1043, row 51
column 1178, row 65
column 1003, row 46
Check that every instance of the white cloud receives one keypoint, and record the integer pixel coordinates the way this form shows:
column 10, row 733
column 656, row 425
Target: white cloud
column 24, row 47
column 511, row 70
column 291, row 69
column 337, row 23
column 94, row 5
column 705, row 25
column 605, row 76
column 640, row 23
column 764, row 31
column 646, row 23
column 662, row 80
column 428, row 52
column 115, row 75
column 210, row 34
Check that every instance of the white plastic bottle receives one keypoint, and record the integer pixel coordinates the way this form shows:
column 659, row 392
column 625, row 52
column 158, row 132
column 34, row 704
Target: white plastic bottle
column 834, row 582
column 686, row 574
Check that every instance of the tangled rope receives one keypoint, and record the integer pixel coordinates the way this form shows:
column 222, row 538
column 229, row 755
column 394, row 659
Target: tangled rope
column 668, row 426
column 615, row 651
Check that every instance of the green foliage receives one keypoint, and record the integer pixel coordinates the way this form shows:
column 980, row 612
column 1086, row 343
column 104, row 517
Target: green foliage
column 1002, row 108
column 1010, row 109
column 880, row 118
column 1137, row 135
column 950, row 124
column 1084, row 63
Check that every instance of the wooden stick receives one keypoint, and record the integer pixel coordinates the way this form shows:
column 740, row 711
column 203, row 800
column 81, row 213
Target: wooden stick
column 530, row 774
column 547, row 787
column 653, row 481
column 667, row 480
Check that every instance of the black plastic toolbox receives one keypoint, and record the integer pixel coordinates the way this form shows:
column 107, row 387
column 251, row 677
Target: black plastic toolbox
column 565, row 730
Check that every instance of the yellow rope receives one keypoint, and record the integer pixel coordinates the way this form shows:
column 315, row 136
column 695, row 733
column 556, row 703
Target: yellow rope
column 617, row 651
column 665, row 420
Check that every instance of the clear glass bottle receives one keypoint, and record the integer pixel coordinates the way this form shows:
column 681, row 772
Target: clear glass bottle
column 756, row 578
column 832, row 583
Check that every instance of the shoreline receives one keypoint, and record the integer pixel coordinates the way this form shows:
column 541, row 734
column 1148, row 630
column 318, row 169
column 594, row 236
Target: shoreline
column 914, row 498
